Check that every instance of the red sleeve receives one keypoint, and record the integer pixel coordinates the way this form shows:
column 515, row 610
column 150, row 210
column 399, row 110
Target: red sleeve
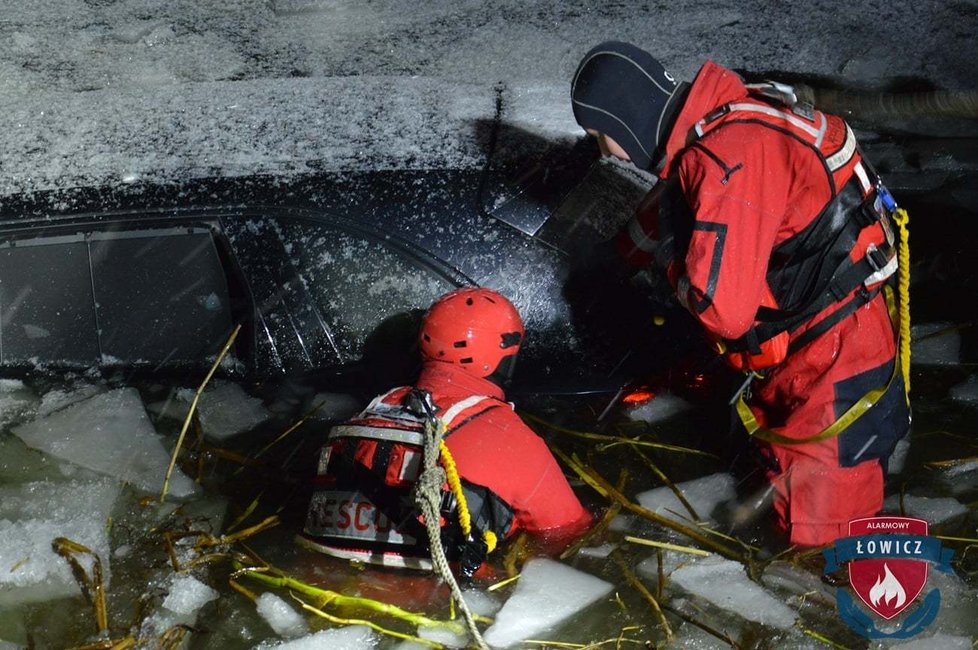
column 736, row 184
column 498, row 451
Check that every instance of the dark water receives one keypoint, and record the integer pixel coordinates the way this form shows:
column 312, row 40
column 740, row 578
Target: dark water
column 944, row 430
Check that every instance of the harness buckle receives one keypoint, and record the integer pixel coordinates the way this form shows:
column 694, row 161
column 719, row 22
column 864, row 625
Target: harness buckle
column 876, row 258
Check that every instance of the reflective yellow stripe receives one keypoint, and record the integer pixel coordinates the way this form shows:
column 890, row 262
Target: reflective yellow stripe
column 857, row 410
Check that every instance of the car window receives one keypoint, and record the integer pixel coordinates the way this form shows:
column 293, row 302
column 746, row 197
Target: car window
column 323, row 289
column 145, row 296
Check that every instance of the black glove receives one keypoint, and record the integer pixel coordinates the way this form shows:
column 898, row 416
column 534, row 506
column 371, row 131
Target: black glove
column 472, row 554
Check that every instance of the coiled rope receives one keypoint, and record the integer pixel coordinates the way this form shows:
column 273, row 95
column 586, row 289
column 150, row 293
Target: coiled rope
column 428, row 497
column 902, row 219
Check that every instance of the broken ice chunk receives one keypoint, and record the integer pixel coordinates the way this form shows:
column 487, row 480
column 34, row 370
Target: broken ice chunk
column 934, row 510
column 351, row 637
column 939, row 641
column 547, row 593
column 226, row 409
column 32, row 515
column 16, row 400
column 57, row 399
column 935, row 344
column 187, row 595
column 704, row 494
column 280, row 616
column 966, row 391
column 108, row 433
column 725, row 584
column 662, row 407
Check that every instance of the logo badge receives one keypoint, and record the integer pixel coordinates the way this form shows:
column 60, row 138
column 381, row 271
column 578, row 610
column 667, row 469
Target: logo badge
column 890, row 585
column 888, row 560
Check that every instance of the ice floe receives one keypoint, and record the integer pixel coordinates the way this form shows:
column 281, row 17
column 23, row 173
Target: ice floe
column 704, row 494
column 935, row 344
column 225, row 409
column 32, row 515
column 352, row 637
column 966, row 391
column 662, row 407
column 187, row 595
column 547, row 593
column 281, row 616
column 934, row 510
column 939, row 641
column 108, row 433
column 725, row 584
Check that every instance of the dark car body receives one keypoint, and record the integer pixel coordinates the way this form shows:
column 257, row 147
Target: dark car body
column 327, row 275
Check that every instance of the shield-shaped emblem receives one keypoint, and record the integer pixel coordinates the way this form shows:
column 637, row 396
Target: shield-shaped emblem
column 887, row 585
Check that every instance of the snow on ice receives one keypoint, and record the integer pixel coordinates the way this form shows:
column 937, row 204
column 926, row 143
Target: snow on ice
column 935, row 344
column 663, row 407
column 281, row 616
column 934, row 510
column 939, row 641
column 32, row 515
column 725, row 584
column 704, row 494
column 351, row 637
column 108, row 433
column 187, row 595
column 547, row 593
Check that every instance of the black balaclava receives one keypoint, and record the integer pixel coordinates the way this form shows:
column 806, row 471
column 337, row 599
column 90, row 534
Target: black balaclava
column 623, row 92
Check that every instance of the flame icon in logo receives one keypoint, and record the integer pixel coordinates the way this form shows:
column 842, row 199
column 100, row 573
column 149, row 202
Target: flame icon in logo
column 887, row 588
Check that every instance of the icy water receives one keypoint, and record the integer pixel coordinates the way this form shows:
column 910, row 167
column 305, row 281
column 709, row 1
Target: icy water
column 169, row 577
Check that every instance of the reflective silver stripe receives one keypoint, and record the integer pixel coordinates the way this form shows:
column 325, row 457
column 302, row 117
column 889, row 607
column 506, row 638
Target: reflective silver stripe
column 377, row 433
column 883, row 273
column 377, row 401
column 641, row 240
column 453, row 412
column 860, row 172
column 821, row 129
column 843, row 155
column 773, row 112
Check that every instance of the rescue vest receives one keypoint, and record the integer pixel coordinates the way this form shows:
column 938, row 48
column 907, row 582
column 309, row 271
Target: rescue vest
column 813, row 269
column 363, row 503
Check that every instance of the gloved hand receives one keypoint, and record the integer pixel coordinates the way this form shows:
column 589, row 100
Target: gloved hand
column 472, row 554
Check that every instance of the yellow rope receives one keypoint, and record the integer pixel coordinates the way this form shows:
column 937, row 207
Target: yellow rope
column 455, row 485
column 902, row 219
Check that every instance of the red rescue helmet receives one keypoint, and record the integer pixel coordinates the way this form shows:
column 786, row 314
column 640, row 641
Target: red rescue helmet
column 473, row 328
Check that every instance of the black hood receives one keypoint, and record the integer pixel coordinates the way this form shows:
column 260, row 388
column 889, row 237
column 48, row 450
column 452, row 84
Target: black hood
column 624, row 92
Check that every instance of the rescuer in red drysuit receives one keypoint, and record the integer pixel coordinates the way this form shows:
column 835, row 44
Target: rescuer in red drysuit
column 769, row 225
column 469, row 341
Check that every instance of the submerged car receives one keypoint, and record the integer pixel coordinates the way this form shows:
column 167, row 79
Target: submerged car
column 327, row 277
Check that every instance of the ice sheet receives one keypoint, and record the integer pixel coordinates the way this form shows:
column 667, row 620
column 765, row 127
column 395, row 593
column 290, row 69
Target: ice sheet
column 351, row 637
column 32, row 515
column 226, row 409
column 704, row 494
column 937, row 641
column 662, row 407
column 935, row 344
column 725, row 584
column 281, row 616
column 109, row 433
column 933, row 509
column 547, row 593
column 966, row 391
column 187, row 595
